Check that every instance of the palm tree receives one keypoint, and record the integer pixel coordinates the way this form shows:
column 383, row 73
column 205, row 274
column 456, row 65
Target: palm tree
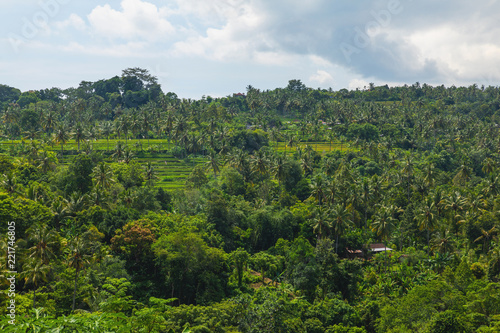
column 307, row 164
column 124, row 124
column 492, row 185
column 102, row 176
column 340, row 222
column 455, row 203
column 292, row 141
column 259, row 163
column 279, row 168
column 118, row 154
column 61, row 137
column 275, row 135
column 408, row 170
column 331, row 138
column 463, row 175
column 150, row 174
column 106, row 130
column 44, row 240
column 128, row 155
column 318, row 189
column 489, row 166
column 426, row 219
column 79, row 134
column 75, row 203
column 78, row 247
column 9, row 183
column 429, row 174
column 117, row 128
column 46, row 162
column 239, row 160
column 59, row 210
column 486, row 237
column 382, row 225
column 366, row 196
column 442, row 241
column 213, row 162
column 320, row 222
column 146, row 123
column 35, row 272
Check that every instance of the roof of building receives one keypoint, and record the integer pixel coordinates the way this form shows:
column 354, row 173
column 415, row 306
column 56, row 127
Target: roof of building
column 379, row 247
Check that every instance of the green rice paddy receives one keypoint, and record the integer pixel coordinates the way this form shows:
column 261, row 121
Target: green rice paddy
column 171, row 171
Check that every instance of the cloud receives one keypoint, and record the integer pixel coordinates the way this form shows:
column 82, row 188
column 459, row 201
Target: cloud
column 129, row 49
column 358, row 84
column 73, row 21
column 136, row 20
column 322, row 77
column 388, row 40
column 268, row 42
column 240, row 38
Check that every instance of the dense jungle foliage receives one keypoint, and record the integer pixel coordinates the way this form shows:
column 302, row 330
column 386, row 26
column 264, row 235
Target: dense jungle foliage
column 262, row 235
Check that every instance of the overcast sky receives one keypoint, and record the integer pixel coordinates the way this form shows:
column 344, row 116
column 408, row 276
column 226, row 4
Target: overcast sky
column 219, row 47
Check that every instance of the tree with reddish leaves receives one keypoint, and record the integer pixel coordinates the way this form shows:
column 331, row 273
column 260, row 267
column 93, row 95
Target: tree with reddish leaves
column 134, row 240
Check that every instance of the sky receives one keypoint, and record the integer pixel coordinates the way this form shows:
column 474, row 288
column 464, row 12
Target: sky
column 219, row 47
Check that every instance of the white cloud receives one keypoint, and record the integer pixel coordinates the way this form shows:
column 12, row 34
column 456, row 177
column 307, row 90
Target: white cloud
column 137, row 19
column 213, row 13
column 322, row 77
column 130, row 49
column 461, row 54
column 357, row 84
column 73, row 21
column 268, row 42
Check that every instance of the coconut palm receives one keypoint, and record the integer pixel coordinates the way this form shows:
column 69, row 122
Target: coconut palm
column 455, row 204
column 106, row 131
column 382, row 225
column 442, row 242
column 128, row 155
column 340, row 216
column 366, row 196
column 492, row 185
column 463, row 175
column 408, row 169
column 9, row 183
column 78, row 258
column 275, row 135
column 102, row 176
column 46, row 162
column 321, row 222
column 150, row 174
column 213, row 162
column 119, row 149
column 278, row 168
column 61, row 137
column 486, row 237
column 35, row 272
column 318, row 189
column 75, row 203
column 489, row 166
column 44, row 241
column 259, row 163
column 79, row 134
column 146, row 123
column 426, row 218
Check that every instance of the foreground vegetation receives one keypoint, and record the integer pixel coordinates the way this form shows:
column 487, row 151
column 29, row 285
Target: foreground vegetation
column 136, row 211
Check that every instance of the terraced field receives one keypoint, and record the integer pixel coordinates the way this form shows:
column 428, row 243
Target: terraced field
column 172, row 172
column 321, row 147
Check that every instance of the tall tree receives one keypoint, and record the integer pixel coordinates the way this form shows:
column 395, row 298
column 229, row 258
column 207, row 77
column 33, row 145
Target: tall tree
column 61, row 137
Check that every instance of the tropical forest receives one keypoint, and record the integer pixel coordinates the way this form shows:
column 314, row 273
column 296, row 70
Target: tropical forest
column 124, row 208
